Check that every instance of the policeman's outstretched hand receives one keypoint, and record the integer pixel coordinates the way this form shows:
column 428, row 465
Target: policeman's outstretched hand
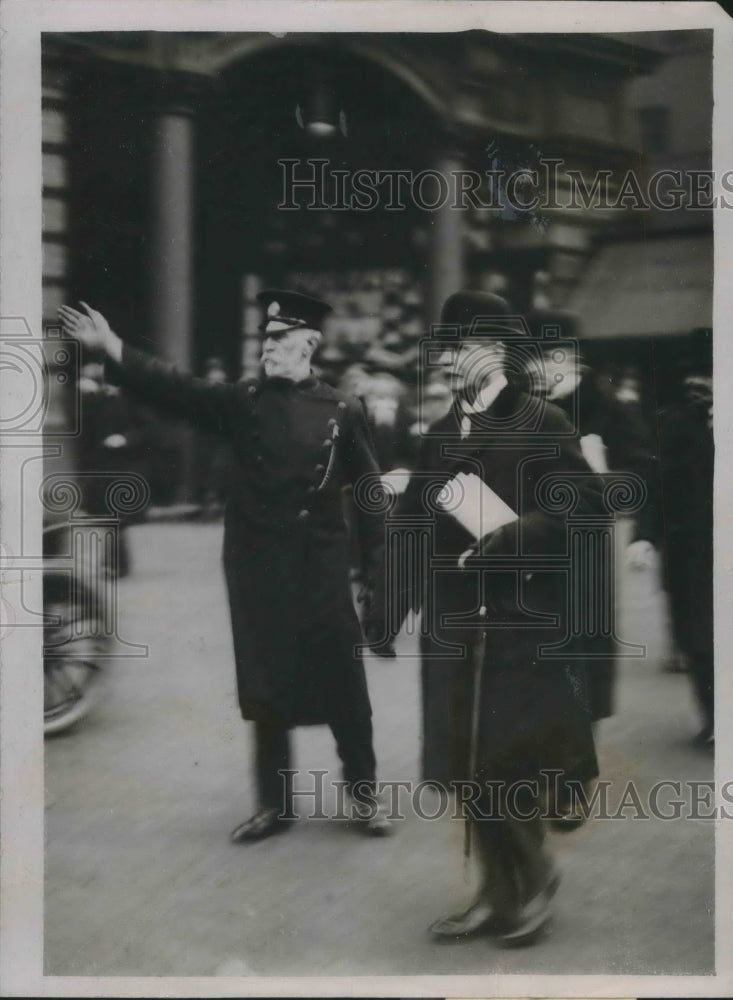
column 91, row 329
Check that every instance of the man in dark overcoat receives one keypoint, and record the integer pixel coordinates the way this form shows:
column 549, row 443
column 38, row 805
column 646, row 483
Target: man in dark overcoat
column 614, row 438
column 686, row 522
column 494, row 709
column 295, row 443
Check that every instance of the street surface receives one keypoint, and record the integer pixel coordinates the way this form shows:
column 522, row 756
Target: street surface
column 141, row 879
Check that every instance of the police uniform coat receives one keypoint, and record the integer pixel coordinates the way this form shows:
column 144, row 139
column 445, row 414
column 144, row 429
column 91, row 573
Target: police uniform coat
column 531, row 712
column 286, row 551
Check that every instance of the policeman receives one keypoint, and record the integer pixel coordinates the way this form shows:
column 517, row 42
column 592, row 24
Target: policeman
column 295, row 442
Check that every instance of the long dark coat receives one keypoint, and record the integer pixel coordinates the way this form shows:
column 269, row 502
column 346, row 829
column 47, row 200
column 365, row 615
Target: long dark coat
column 685, row 515
column 629, row 448
column 531, row 711
column 629, row 443
column 286, row 549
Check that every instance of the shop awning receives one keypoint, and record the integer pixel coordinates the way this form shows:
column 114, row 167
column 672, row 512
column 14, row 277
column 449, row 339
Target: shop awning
column 649, row 288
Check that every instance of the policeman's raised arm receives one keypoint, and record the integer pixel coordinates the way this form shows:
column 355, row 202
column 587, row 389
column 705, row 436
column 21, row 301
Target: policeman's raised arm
column 92, row 329
column 160, row 385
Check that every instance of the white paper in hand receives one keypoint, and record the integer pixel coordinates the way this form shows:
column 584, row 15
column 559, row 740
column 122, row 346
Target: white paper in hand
column 474, row 505
column 396, row 481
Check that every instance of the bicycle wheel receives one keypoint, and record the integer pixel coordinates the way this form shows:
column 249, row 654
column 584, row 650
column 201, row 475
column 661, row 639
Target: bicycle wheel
column 73, row 647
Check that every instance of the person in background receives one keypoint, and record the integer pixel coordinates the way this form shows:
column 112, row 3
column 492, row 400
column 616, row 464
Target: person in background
column 213, row 453
column 687, row 453
column 389, row 421
column 628, row 389
column 112, row 440
column 613, row 438
column 354, row 381
column 434, row 401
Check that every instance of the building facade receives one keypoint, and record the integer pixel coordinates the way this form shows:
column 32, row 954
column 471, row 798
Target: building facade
column 183, row 172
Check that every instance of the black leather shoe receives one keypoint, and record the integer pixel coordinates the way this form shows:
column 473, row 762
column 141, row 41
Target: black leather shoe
column 264, row 823
column 568, row 814
column 479, row 918
column 373, row 819
column 534, row 918
column 379, row 825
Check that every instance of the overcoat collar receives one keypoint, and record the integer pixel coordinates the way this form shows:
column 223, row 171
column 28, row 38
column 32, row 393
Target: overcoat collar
column 278, row 382
column 310, row 386
column 501, row 408
column 446, row 432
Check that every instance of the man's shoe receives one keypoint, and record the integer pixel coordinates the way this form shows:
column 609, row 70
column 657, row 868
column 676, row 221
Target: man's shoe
column 378, row 824
column 371, row 816
column 567, row 814
column 264, row 823
column 532, row 923
column 479, row 918
column 534, row 918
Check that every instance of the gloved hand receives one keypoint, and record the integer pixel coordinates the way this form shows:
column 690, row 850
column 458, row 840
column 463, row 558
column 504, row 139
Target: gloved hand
column 485, row 546
column 374, row 624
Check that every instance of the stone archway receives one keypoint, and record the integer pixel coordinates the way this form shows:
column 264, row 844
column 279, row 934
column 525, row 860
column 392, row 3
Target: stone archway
column 249, row 126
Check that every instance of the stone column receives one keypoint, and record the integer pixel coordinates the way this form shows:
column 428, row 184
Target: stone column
column 446, row 268
column 172, row 257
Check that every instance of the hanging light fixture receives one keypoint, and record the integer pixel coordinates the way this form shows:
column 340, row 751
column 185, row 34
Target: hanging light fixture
column 318, row 116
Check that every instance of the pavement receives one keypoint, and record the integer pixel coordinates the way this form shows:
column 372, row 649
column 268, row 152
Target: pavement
column 142, row 881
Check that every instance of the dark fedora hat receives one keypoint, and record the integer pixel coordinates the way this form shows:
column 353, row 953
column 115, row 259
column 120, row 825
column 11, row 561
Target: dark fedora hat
column 287, row 310
column 551, row 324
column 474, row 315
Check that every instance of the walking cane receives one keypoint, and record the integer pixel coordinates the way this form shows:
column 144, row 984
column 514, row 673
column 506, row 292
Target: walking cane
column 479, row 652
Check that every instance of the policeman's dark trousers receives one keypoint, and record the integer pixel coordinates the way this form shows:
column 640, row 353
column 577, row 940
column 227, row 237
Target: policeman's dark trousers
column 354, row 746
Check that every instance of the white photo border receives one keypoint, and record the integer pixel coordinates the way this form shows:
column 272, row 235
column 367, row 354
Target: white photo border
column 21, row 762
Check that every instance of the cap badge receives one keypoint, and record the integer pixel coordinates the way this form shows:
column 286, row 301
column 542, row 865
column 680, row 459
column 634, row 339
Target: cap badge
column 273, row 309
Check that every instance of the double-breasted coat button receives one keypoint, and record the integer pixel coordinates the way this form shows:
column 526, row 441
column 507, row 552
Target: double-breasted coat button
column 311, row 490
column 304, row 515
column 320, row 469
column 342, row 406
column 251, row 388
column 332, row 422
column 327, row 443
